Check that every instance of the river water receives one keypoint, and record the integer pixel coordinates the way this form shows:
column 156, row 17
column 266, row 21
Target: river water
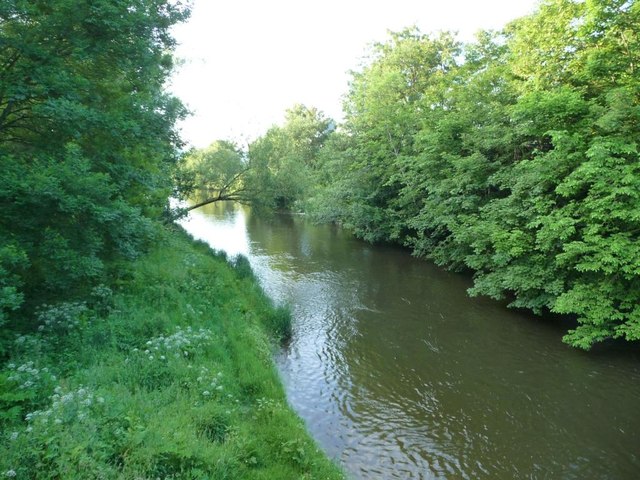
column 399, row 374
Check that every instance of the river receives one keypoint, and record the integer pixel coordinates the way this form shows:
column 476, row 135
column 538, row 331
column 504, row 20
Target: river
column 398, row 373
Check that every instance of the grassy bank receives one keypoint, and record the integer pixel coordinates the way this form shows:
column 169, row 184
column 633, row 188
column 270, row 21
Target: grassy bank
column 166, row 375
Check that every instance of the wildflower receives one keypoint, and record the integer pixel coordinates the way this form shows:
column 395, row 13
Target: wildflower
column 14, row 436
column 10, row 473
column 100, row 400
column 162, row 357
column 206, row 393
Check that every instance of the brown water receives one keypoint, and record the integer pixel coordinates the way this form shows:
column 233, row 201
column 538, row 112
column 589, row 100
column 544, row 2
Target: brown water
column 399, row 374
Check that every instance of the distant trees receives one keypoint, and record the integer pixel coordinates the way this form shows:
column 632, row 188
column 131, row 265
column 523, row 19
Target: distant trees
column 277, row 172
column 87, row 139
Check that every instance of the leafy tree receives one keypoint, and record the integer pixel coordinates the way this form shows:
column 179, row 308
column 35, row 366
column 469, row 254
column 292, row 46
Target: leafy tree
column 384, row 111
column 216, row 173
column 515, row 156
column 283, row 161
column 87, row 139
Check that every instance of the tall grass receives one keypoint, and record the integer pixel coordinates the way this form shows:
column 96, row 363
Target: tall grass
column 168, row 375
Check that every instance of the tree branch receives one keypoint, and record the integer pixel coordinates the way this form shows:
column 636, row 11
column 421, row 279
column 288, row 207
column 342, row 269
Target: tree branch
column 232, row 197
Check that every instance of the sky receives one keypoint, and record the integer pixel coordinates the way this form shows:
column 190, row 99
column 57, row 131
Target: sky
column 244, row 62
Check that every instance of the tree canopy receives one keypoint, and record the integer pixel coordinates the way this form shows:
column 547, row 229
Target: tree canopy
column 514, row 157
column 276, row 172
column 87, row 139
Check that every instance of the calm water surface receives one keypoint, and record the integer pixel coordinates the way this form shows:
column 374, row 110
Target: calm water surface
column 399, row 374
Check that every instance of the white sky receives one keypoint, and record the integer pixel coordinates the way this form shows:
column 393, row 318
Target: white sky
column 247, row 61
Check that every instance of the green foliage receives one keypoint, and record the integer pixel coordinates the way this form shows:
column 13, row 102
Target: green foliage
column 276, row 173
column 283, row 161
column 13, row 260
column 215, row 173
column 515, row 157
column 87, row 140
column 176, row 380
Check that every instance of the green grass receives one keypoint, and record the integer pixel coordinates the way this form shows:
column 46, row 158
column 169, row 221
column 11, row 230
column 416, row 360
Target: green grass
column 169, row 376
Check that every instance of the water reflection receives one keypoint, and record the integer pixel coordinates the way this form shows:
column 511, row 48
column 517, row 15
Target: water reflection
column 399, row 374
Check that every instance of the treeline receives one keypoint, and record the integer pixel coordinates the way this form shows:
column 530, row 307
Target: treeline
column 126, row 349
column 87, row 143
column 515, row 157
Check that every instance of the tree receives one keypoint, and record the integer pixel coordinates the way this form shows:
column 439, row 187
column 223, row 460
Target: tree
column 283, row 161
column 216, row 173
column 516, row 157
column 87, row 139
column 562, row 234
column 385, row 107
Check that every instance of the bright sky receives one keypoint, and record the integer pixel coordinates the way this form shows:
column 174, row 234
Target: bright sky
column 247, row 61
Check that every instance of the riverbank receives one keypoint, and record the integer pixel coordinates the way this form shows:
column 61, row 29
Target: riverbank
column 168, row 374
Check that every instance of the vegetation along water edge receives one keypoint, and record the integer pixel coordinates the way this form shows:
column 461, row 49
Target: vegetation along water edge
column 513, row 157
column 168, row 374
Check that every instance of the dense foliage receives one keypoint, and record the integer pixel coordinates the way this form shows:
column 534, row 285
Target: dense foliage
column 117, row 364
column 87, row 140
column 169, row 377
column 278, row 171
column 515, row 156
